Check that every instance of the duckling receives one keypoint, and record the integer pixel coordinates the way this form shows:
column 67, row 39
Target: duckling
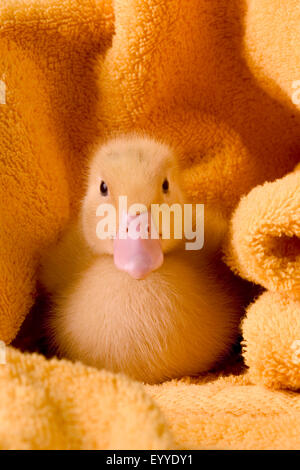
column 148, row 308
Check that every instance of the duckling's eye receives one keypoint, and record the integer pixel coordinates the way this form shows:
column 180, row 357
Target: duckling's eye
column 165, row 186
column 103, row 188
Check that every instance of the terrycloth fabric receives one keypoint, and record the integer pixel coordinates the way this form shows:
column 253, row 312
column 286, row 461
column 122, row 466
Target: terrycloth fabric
column 272, row 37
column 265, row 248
column 230, row 413
column 59, row 405
column 211, row 77
column 271, row 331
column 265, row 236
column 47, row 52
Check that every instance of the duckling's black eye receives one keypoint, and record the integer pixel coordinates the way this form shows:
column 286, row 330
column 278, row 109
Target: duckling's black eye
column 165, row 186
column 103, row 188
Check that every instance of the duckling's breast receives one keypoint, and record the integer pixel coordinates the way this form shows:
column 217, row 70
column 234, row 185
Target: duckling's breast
column 177, row 321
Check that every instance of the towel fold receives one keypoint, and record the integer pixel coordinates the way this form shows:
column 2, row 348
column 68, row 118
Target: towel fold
column 59, row 405
column 265, row 236
column 264, row 248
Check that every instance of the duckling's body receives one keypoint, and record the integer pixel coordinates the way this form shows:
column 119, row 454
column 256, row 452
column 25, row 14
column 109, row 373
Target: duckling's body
column 181, row 319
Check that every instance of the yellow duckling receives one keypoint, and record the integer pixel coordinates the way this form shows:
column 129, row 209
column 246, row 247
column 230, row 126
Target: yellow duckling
column 146, row 307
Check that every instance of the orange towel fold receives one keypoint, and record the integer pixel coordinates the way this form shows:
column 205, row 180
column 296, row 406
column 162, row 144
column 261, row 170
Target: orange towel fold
column 265, row 248
column 265, row 244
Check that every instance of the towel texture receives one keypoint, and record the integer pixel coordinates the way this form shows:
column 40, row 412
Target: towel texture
column 265, row 248
column 47, row 52
column 215, row 78
column 229, row 412
column 59, row 405
column 265, row 236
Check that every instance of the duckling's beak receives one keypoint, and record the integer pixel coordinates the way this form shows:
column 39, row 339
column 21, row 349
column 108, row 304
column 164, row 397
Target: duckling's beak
column 137, row 247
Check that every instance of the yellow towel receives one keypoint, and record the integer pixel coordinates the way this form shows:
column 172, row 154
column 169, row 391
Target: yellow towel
column 58, row 405
column 265, row 248
column 230, row 412
column 213, row 79
column 46, row 63
column 265, row 237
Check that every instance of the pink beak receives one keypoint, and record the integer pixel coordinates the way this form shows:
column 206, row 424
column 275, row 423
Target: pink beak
column 134, row 250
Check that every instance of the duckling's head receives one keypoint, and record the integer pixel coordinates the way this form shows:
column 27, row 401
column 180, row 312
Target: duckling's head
column 142, row 172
